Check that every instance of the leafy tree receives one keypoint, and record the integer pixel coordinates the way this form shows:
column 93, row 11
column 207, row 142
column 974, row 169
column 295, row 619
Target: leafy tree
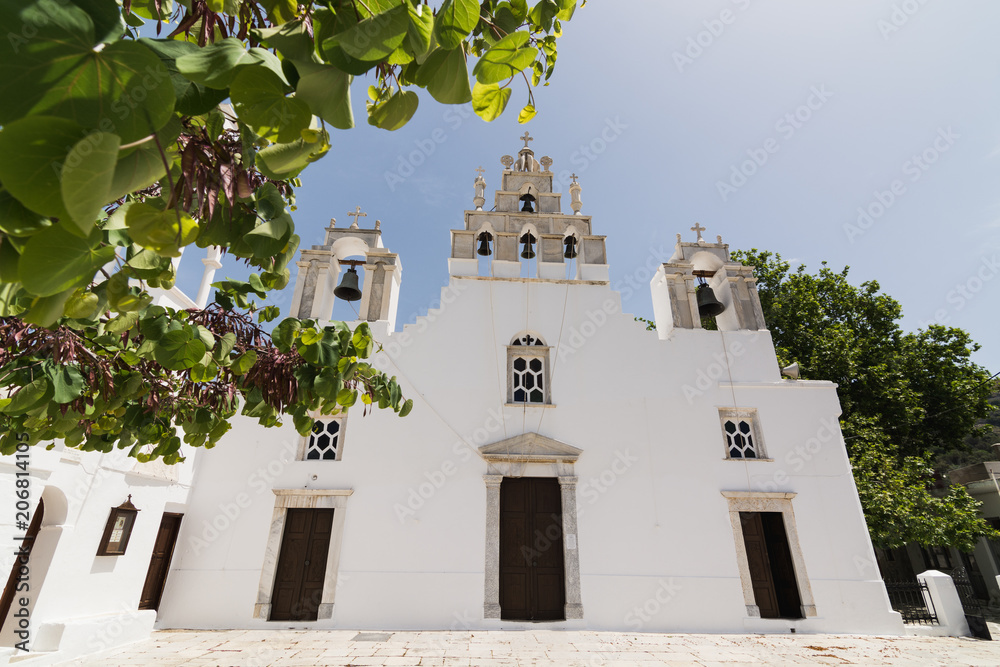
column 904, row 395
column 117, row 152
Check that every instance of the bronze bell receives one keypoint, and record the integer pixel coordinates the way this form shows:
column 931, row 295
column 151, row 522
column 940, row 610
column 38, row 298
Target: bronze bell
column 528, row 251
column 348, row 288
column 527, row 199
column 484, row 244
column 707, row 303
column 570, row 247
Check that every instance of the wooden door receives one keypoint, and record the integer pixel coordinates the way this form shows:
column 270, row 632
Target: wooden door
column 10, row 590
column 159, row 562
column 772, row 573
column 532, row 578
column 298, row 580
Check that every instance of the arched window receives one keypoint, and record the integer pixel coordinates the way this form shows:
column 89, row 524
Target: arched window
column 528, row 370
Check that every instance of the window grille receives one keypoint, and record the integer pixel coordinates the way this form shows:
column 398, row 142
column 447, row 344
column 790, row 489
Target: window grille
column 323, row 442
column 527, row 370
column 742, row 436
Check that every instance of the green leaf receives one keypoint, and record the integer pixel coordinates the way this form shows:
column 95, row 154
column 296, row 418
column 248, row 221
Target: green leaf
column 406, row 408
column 327, row 91
column 259, row 97
column 123, row 88
column 347, row 397
column 216, row 65
column 45, row 310
column 284, row 161
column 82, row 305
column 527, row 113
column 10, row 258
column 44, row 41
column 67, row 382
column 179, row 350
column 376, row 37
column 32, row 395
column 505, row 59
column 244, row 362
column 86, row 179
column 32, row 151
column 18, row 220
column 489, row 101
column 163, row 232
column 267, row 239
column 420, row 29
column 454, row 21
column 270, row 203
column 395, row 112
column 283, row 335
column 193, row 98
column 203, row 373
column 54, row 260
column 224, row 346
column 290, row 39
column 446, row 77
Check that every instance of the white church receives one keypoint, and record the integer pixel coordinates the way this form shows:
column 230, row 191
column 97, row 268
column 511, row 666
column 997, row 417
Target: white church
column 562, row 467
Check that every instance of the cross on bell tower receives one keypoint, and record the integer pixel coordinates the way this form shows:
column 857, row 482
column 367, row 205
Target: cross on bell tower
column 698, row 229
column 357, row 214
column 526, row 138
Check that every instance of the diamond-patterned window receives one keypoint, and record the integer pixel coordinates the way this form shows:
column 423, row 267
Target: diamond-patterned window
column 528, row 364
column 740, row 429
column 529, row 380
column 323, row 442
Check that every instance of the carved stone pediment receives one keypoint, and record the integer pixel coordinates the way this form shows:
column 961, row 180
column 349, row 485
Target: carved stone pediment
column 530, row 447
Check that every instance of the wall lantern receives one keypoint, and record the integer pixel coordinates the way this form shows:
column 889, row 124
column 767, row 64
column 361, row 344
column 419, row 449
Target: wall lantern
column 119, row 529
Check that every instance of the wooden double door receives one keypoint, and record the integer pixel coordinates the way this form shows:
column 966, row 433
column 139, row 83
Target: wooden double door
column 532, row 577
column 772, row 572
column 301, row 570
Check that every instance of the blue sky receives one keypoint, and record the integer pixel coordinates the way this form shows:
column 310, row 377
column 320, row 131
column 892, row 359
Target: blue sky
column 770, row 122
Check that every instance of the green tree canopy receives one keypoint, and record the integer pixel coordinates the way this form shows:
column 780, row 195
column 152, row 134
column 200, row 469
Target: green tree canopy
column 904, row 395
column 117, row 152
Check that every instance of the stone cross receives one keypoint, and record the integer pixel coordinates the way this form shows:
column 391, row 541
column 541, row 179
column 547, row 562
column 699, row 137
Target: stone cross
column 358, row 214
column 526, row 138
column 480, row 171
column 698, row 229
column 574, row 177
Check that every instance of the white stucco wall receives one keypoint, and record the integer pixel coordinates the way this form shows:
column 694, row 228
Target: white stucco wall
column 656, row 546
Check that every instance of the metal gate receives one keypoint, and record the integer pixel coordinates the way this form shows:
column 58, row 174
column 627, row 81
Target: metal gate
column 912, row 601
column 971, row 604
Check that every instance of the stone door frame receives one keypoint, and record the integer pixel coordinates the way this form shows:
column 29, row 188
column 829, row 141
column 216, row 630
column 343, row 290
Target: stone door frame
column 335, row 499
column 531, row 455
column 751, row 501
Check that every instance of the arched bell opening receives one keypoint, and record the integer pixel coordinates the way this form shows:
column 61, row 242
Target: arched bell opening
column 486, row 248
column 571, row 251
column 350, row 288
column 527, row 194
column 528, row 251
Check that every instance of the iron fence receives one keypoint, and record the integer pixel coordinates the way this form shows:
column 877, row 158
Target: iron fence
column 913, row 602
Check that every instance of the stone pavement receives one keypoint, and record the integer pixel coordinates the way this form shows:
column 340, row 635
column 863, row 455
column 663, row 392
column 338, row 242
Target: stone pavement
column 286, row 648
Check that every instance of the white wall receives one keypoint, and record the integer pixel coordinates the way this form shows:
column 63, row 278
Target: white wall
column 656, row 546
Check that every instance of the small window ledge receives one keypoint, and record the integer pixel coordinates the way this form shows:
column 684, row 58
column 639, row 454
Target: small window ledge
column 529, row 405
column 727, row 458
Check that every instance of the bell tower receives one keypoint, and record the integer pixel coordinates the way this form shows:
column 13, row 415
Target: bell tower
column 527, row 222
column 323, row 267
column 700, row 279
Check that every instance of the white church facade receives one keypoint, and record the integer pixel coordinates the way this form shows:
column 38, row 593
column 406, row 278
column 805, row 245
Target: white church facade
column 561, row 466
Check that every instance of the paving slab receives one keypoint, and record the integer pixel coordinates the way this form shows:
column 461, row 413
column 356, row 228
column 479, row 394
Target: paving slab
column 338, row 648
